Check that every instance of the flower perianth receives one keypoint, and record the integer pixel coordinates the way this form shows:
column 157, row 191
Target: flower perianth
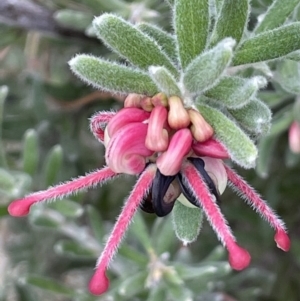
column 169, row 163
column 239, row 258
column 98, row 123
column 124, row 117
column 157, row 136
column 99, row 283
column 211, row 148
column 126, row 151
column 258, row 204
column 21, row 207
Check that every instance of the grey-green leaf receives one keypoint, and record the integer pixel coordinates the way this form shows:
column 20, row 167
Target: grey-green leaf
column 52, row 166
column 73, row 19
column 269, row 45
column 47, row 284
column 266, row 147
column 235, row 92
column 187, row 222
column 204, row 71
column 276, row 15
column 131, row 43
column 164, row 80
column 112, row 77
column 254, row 116
column 288, row 76
column 232, row 21
column 191, row 21
column 239, row 146
column 30, row 152
column 164, row 39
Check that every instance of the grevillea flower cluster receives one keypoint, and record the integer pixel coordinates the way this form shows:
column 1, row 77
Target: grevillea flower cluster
column 172, row 151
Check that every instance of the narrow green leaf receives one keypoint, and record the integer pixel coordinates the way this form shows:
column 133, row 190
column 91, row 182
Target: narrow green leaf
column 3, row 95
column 218, row 253
column 73, row 18
column 239, row 146
column 191, row 21
column 162, row 235
column 7, row 180
column 157, row 293
column 111, row 76
column 164, row 80
column 165, row 40
column 281, row 121
column 187, row 222
column 131, row 43
column 72, row 249
column 254, row 117
column 266, row 148
column 218, row 4
column 232, row 21
column 294, row 56
column 96, row 223
column 48, row 285
column 133, row 285
column 30, row 152
column 52, row 166
column 288, row 76
column 204, row 272
column 269, row 45
column 276, row 15
column 67, row 208
column 204, row 71
column 140, row 231
column 235, row 92
column 138, row 257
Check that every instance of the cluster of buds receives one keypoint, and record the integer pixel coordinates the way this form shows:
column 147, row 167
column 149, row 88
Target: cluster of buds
column 172, row 150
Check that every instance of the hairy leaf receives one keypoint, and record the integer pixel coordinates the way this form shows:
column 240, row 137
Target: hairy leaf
column 235, row 92
column 111, row 76
column 163, row 38
column 131, row 43
column 269, row 45
column 191, row 21
column 232, row 20
column 276, row 15
column 239, row 146
column 164, row 80
column 204, row 71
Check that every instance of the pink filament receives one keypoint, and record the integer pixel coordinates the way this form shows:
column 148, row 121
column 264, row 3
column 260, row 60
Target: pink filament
column 99, row 282
column 21, row 207
column 254, row 200
column 239, row 258
column 98, row 123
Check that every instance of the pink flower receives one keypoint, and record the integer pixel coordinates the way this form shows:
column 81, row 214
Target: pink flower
column 294, row 137
column 172, row 151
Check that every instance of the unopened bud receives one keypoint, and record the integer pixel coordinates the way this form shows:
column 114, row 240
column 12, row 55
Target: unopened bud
column 178, row 117
column 160, row 99
column 200, row 129
column 146, row 104
column 133, row 100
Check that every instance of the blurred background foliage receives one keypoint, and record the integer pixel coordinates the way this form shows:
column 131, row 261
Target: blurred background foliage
column 45, row 138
